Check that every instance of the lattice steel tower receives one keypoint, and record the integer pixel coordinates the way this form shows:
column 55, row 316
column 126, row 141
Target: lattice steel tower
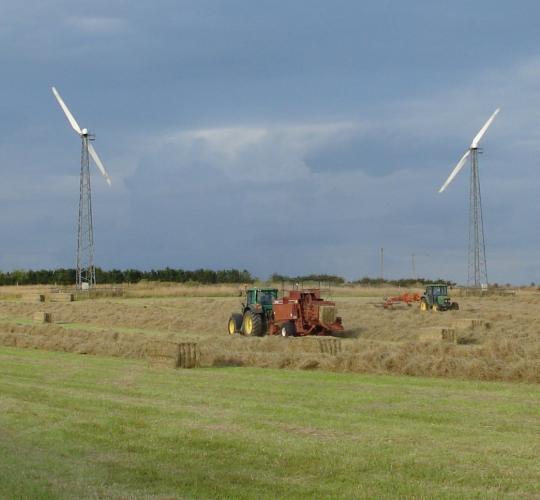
column 477, row 268
column 86, row 272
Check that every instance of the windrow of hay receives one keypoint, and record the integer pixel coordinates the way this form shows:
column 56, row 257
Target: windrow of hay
column 494, row 360
column 55, row 338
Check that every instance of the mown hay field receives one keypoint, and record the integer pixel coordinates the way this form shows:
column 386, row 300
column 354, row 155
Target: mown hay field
column 489, row 338
column 99, row 427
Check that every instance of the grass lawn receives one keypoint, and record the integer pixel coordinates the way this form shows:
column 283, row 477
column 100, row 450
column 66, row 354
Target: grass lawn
column 77, row 426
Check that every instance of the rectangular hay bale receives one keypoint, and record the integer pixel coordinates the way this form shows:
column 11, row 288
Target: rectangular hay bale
column 42, row 317
column 330, row 346
column 448, row 335
column 34, row 297
column 430, row 333
column 471, row 323
column 61, row 297
column 173, row 354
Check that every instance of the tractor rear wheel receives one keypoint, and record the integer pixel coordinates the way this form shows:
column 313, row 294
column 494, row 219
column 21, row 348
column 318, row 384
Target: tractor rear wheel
column 252, row 324
column 288, row 329
column 423, row 305
column 235, row 324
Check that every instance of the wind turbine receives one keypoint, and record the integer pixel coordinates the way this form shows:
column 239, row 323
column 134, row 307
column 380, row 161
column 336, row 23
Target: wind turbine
column 86, row 273
column 477, row 269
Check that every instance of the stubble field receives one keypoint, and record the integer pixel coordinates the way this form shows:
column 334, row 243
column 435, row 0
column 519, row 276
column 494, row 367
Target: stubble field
column 490, row 338
column 97, row 426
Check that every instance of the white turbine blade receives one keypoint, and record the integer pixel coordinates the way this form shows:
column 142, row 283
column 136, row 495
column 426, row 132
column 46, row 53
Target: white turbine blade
column 99, row 165
column 67, row 112
column 483, row 130
column 456, row 170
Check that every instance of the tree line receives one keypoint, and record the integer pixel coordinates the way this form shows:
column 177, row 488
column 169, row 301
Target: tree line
column 366, row 281
column 323, row 278
column 203, row 276
column 403, row 282
column 118, row 276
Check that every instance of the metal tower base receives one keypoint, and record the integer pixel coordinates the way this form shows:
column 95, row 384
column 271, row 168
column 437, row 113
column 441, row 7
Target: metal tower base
column 86, row 273
column 477, row 268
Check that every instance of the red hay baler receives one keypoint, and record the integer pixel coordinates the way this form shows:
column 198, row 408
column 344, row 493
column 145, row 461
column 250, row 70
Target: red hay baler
column 303, row 312
column 299, row 313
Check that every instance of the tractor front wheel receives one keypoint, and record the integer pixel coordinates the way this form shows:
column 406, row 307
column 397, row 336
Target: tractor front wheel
column 235, row 324
column 288, row 329
column 252, row 324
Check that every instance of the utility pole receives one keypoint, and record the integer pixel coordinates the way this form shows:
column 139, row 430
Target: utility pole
column 382, row 264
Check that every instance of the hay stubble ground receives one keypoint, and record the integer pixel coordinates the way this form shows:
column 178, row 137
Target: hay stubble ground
column 103, row 427
column 504, row 344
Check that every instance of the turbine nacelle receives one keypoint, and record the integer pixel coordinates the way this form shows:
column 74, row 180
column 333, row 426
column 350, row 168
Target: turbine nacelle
column 83, row 133
column 472, row 148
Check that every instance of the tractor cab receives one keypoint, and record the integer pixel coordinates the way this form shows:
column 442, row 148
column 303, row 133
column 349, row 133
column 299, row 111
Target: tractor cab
column 256, row 312
column 260, row 300
column 436, row 297
column 435, row 291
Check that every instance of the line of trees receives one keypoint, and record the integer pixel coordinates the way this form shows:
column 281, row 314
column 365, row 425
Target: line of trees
column 323, row 278
column 404, row 282
column 204, row 276
column 117, row 276
column 366, row 281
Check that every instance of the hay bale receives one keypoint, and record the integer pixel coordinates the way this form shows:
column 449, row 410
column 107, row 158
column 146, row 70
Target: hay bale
column 188, row 355
column 34, row 297
column 471, row 324
column 173, row 354
column 431, row 333
column 449, row 335
column 500, row 316
column 330, row 346
column 458, row 337
column 42, row 317
column 61, row 297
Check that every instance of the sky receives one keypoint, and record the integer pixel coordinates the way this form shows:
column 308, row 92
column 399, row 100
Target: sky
column 295, row 136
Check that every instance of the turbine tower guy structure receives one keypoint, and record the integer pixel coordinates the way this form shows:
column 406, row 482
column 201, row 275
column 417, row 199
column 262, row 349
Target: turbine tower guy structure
column 477, row 267
column 86, row 272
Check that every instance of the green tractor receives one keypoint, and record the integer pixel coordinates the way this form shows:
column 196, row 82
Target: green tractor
column 436, row 298
column 256, row 312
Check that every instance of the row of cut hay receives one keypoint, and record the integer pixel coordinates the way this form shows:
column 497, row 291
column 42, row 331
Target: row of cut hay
column 312, row 345
column 56, row 338
column 51, row 297
column 197, row 316
column 159, row 352
column 495, row 359
column 157, row 289
column 462, row 331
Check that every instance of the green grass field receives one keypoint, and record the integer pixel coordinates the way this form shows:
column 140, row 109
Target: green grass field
column 76, row 426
